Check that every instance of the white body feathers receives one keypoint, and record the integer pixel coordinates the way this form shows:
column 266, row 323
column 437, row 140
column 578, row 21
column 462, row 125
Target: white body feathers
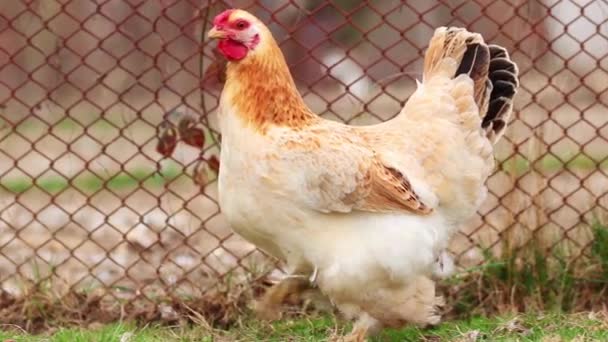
column 274, row 195
column 369, row 209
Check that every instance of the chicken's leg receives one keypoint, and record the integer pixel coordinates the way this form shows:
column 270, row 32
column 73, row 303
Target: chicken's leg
column 365, row 326
column 268, row 307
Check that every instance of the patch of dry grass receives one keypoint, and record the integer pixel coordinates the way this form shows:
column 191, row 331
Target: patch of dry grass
column 39, row 309
column 534, row 278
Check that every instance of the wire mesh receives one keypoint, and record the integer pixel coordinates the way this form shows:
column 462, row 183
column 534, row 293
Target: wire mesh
column 108, row 137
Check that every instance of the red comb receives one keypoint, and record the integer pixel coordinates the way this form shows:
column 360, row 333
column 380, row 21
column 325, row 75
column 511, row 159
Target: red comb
column 222, row 18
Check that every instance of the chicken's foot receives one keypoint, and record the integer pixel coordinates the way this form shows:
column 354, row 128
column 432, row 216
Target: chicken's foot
column 365, row 326
column 268, row 307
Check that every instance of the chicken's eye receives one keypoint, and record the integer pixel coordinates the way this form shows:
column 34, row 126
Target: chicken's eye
column 241, row 25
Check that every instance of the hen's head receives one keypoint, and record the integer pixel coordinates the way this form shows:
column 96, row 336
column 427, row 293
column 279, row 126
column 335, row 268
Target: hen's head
column 239, row 33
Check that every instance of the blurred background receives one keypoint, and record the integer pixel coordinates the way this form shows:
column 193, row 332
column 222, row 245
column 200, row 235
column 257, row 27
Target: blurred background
column 90, row 88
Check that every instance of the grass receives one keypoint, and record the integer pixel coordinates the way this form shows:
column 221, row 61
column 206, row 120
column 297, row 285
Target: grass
column 533, row 278
column 527, row 327
column 550, row 163
column 109, row 333
column 89, row 182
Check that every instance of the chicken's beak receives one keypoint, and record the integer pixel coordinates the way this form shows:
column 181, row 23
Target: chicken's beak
column 214, row 33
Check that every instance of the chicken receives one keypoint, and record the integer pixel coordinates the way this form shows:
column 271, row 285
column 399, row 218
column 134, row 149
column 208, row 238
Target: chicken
column 363, row 211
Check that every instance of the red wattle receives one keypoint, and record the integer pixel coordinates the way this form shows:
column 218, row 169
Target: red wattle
column 232, row 50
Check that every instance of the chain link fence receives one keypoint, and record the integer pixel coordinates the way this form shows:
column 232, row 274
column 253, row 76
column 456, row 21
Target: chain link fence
column 108, row 153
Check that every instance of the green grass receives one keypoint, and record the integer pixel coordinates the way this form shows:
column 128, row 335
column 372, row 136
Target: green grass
column 65, row 124
column 550, row 163
column 528, row 327
column 90, row 183
column 111, row 333
column 533, row 277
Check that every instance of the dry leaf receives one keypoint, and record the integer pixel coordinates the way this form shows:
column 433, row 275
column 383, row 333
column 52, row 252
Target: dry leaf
column 167, row 141
column 200, row 173
column 185, row 124
column 194, row 137
column 214, row 164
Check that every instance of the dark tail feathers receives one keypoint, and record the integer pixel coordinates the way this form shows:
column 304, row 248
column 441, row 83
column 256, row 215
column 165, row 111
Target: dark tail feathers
column 496, row 75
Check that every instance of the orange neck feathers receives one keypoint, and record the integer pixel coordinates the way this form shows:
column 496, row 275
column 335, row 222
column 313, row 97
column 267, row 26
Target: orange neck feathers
column 262, row 91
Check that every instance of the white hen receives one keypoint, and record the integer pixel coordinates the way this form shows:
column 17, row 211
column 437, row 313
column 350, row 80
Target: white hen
column 366, row 209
